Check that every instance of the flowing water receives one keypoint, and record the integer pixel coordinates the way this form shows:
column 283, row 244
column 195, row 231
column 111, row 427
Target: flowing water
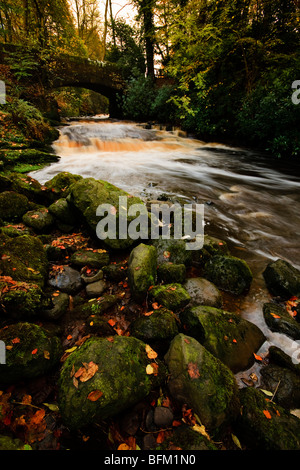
column 251, row 201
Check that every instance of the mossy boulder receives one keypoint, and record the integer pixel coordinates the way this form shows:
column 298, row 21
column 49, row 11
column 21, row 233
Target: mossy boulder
column 60, row 184
column 21, row 300
column 115, row 272
column 13, row 205
column 282, row 279
column 32, row 352
column 142, row 270
column 229, row 273
column 226, row 335
column 23, row 258
column 186, row 439
column 92, row 258
column 30, row 187
column 279, row 320
column 203, row 382
column 118, row 376
column 212, row 246
column 156, row 329
column 172, row 251
column 203, row 292
column 171, row 296
column 62, row 211
column 40, row 220
column 169, row 272
column 279, row 430
column 283, row 381
column 87, row 194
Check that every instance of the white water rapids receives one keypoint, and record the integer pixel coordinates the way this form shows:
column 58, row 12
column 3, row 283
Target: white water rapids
column 252, row 202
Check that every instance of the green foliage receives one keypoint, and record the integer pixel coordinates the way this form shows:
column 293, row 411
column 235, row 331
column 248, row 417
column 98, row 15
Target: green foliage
column 28, row 118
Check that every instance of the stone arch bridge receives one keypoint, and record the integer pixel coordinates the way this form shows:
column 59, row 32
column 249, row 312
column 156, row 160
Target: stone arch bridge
column 65, row 70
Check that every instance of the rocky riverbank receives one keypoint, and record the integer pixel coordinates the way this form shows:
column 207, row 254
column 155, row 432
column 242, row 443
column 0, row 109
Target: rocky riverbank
column 123, row 344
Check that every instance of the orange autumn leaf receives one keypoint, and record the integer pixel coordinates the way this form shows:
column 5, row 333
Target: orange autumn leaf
column 267, row 414
column 147, row 314
column 38, row 417
column 258, row 358
column 160, row 437
column 124, row 446
column 34, row 351
column 94, row 395
column 150, row 352
column 112, row 322
column 69, row 337
column 15, row 340
column 155, row 306
column 274, row 315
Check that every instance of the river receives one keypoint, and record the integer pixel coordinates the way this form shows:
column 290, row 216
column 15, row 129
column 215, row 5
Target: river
column 251, row 201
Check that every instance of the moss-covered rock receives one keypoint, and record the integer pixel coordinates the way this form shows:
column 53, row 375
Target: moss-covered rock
column 21, row 299
column 265, row 425
column 40, row 220
column 30, row 187
column 156, row 329
column 142, row 270
column 87, row 194
column 115, row 272
column 92, row 258
column 23, row 258
column 212, row 246
column 169, row 272
column 9, row 443
column 186, row 439
column 30, row 352
column 172, row 251
column 283, row 381
column 226, row 335
column 279, row 357
column 60, row 184
column 282, row 279
column 118, row 376
column 13, row 205
column 62, row 211
column 203, row 292
column 202, row 381
column 280, row 321
column 229, row 273
column 171, row 296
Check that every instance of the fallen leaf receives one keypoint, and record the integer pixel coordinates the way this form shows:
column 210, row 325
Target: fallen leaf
column 200, row 430
column 155, row 306
column 94, row 395
column 258, row 358
column 34, row 351
column 46, row 354
column 124, row 446
column 160, row 437
column 147, row 314
column 267, row 414
column 86, row 372
column 150, row 352
column 274, row 315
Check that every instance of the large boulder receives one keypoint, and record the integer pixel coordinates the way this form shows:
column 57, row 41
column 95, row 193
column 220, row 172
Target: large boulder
column 23, row 258
column 264, row 425
column 13, row 205
column 40, row 220
column 157, row 328
column 203, row 382
column 104, row 377
column 229, row 273
column 87, row 194
column 172, row 251
column 30, row 352
column 21, row 300
column 171, row 296
column 282, row 279
column 59, row 185
column 92, row 258
column 226, row 335
column 280, row 321
column 142, row 268
column 203, row 292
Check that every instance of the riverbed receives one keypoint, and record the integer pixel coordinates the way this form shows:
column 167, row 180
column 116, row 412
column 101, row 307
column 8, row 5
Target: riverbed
column 251, row 200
